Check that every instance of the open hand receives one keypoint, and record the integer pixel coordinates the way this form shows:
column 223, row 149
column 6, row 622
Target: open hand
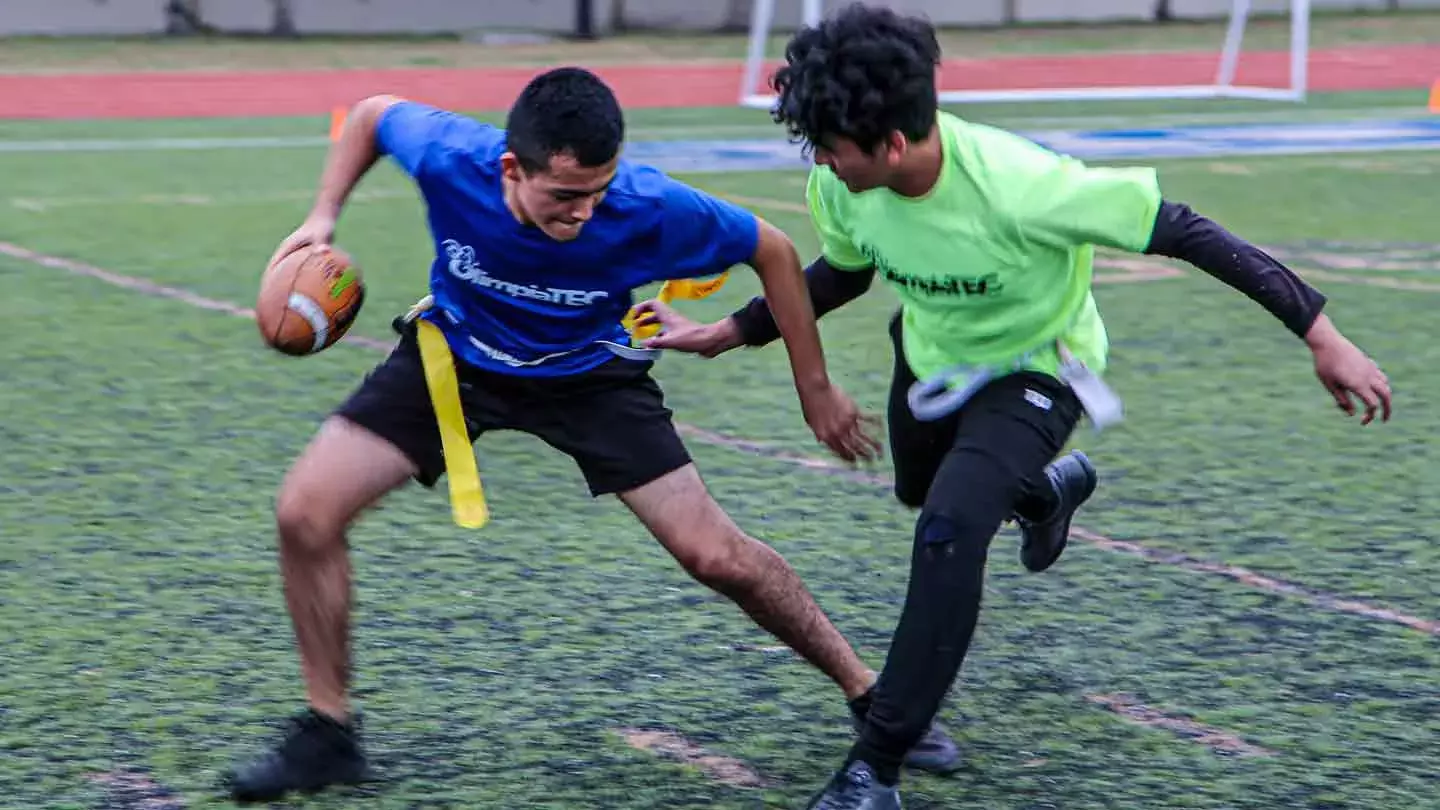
column 316, row 232
column 837, row 422
column 681, row 334
column 1347, row 372
column 831, row 414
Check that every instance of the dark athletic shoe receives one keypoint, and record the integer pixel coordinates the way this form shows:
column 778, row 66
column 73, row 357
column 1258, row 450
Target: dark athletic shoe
column 316, row 752
column 935, row 752
column 1073, row 479
column 856, row 788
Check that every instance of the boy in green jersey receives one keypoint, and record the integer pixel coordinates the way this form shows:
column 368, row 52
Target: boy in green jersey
column 987, row 240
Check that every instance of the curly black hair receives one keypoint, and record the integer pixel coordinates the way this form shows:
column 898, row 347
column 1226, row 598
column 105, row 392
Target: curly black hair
column 568, row 110
column 860, row 75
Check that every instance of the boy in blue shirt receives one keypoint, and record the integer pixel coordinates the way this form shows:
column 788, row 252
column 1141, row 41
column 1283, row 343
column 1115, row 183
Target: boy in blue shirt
column 541, row 233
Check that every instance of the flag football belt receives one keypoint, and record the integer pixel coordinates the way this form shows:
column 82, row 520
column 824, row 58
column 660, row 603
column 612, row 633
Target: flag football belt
column 939, row 396
column 467, row 494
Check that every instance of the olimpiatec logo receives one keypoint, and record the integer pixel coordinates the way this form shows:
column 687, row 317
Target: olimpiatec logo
column 987, row 285
column 463, row 265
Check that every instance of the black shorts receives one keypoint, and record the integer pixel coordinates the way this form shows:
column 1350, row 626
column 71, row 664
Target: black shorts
column 612, row 420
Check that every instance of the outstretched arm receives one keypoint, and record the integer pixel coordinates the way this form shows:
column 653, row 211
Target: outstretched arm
column 841, row 274
column 1182, row 234
column 829, row 288
column 1066, row 203
column 754, row 324
column 831, row 414
column 1343, row 369
column 702, row 235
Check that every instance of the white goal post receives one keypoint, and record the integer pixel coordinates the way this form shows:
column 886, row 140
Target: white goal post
column 763, row 12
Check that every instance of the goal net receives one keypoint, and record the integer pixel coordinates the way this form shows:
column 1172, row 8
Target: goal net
column 1107, row 80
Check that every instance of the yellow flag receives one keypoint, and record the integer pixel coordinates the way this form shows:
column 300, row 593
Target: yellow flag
column 686, row 289
column 467, row 496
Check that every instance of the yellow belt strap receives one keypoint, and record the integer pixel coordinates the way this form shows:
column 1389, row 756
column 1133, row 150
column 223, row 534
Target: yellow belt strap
column 467, row 496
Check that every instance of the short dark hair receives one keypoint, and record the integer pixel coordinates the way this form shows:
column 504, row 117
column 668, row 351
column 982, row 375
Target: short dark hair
column 861, row 74
column 568, row 110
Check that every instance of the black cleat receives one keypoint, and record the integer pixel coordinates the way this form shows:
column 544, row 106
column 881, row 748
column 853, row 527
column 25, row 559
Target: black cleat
column 1073, row 479
column 856, row 788
column 317, row 752
column 935, row 752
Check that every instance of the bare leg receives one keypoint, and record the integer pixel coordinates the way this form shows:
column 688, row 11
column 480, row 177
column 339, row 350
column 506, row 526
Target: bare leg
column 343, row 471
column 679, row 511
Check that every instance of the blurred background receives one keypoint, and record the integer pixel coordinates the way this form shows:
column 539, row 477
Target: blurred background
column 575, row 17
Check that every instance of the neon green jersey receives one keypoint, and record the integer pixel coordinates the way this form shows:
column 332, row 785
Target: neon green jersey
column 995, row 261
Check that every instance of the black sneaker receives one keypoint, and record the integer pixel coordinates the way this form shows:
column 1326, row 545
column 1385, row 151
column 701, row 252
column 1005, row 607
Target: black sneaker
column 856, row 788
column 1073, row 479
column 935, row 752
column 317, row 752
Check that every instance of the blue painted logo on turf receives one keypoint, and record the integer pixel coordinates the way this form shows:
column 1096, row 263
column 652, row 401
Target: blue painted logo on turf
column 714, row 156
column 718, row 156
column 1242, row 139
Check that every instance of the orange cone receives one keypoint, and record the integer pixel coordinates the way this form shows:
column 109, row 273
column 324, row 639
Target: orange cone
column 337, row 123
column 1435, row 97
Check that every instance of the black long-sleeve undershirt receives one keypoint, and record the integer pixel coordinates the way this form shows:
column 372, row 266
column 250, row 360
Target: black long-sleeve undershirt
column 1182, row 234
column 829, row 289
column 1179, row 233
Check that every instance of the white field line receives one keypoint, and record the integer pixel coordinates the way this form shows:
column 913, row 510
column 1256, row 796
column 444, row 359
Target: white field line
column 1318, row 598
column 1131, row 268
column 758, row 129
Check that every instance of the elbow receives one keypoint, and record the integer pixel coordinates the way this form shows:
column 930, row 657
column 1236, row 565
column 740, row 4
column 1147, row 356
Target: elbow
column 367, row 111
column 861, row 283
column 1176, row 227
column 773, row 250
column 374, row 105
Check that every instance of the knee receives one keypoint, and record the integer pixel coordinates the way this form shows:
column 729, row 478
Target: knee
column 723, row 564
column 304, row 523
column 939, row 533
column 972, row 495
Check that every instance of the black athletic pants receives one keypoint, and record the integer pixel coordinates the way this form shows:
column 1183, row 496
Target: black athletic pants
column 968, row 473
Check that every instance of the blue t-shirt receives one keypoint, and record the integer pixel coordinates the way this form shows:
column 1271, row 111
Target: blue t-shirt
column 514, row 301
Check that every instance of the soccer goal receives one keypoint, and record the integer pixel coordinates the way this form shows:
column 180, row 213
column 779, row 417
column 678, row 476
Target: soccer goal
column 754, row 91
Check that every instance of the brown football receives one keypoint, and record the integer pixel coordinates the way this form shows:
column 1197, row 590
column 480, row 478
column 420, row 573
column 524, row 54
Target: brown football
column 308, row 300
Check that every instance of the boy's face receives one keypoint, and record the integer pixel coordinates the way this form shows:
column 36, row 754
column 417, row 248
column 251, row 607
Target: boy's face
column 858, row 169
column 560, row 198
